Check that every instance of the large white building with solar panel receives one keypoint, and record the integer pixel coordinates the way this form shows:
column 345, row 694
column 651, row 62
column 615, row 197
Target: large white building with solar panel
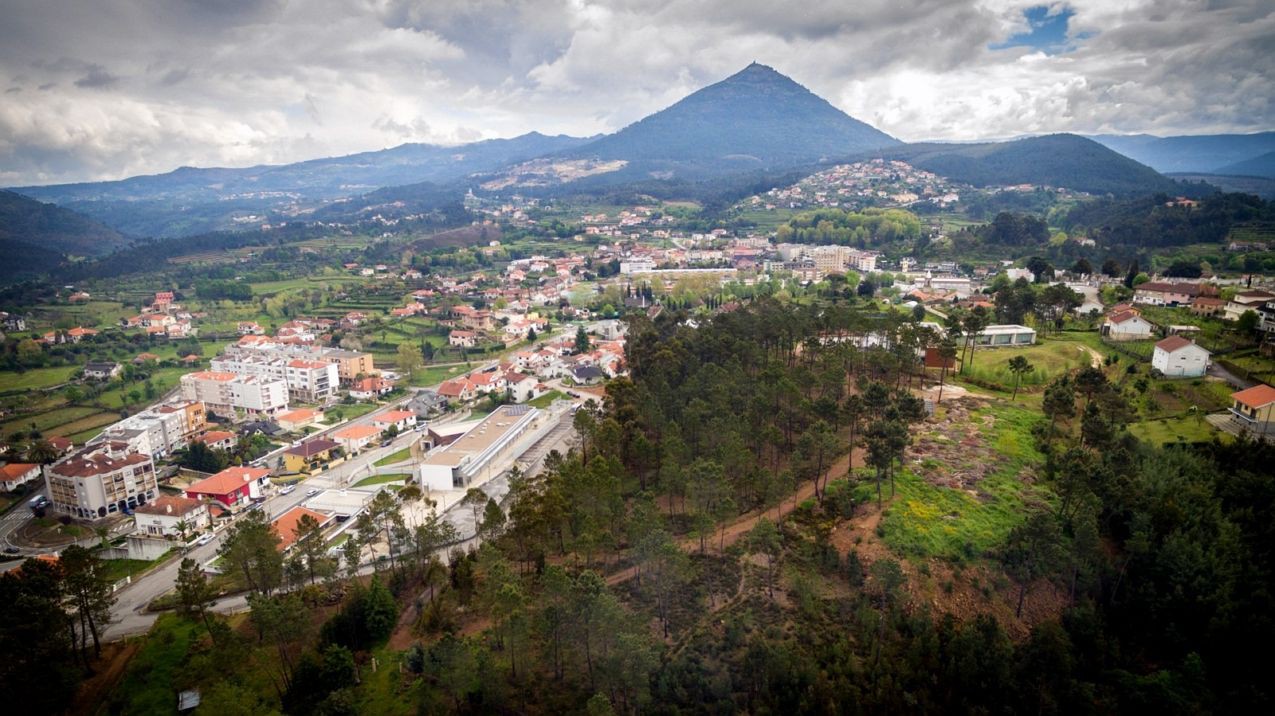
column 476, row 456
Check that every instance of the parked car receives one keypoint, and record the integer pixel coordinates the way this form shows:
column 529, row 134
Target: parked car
column 288, row 489
column 205, row 538
column 312, row 492
column 11, row 550
column 386, row 443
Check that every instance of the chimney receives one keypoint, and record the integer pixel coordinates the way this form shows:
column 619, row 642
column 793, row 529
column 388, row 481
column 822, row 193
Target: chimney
column 168, row 508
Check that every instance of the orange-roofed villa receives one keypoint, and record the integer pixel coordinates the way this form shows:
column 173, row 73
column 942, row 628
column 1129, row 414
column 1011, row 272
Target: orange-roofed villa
column 1254, row 410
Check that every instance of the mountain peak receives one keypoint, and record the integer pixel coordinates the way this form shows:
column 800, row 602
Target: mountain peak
column 757, row 116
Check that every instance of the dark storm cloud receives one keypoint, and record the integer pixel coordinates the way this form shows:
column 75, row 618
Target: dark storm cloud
column 97, row 77
column 131, row 86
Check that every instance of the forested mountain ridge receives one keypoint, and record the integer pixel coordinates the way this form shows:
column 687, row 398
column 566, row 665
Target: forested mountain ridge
column 1157, row 221
column 47, row 227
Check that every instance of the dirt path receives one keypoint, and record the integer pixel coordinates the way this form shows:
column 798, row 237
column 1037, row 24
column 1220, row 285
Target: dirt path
column 743, row 524
column 110, row 669
column 1094, row 356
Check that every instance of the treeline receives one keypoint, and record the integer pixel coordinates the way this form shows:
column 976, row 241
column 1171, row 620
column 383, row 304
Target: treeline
column 217, row 289
column 51, row 628
column 1157, row 221
column 871, row 227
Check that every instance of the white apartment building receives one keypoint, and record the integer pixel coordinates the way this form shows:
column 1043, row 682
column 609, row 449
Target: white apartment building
column 101, row 480
column 350, row 365
column 309, row 381
column 831, row 258
column 224, row 393
column 157, row 431
column 636, row 265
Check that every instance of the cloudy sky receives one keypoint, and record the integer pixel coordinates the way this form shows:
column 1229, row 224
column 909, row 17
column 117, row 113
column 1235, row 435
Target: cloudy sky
column 104, row 89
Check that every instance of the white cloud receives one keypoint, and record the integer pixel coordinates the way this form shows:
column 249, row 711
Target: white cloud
column 120, row 87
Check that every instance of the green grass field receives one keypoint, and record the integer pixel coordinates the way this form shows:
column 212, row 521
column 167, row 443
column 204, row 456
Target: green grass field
column 545, row 400
column 935, row 521
column 117, row 569
column 1048, row 359
column 396, row 456
column 349, row 412
column 436, row 374
column 36, row 378
column 383, row 479
column 1165, row 431
column 46, row 421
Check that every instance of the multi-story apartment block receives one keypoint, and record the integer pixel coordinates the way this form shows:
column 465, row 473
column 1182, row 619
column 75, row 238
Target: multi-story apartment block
column 309, row 381
column 160, row 430
column 101, row 480
column 350, row 365
column 229, row 394
column 831, row 259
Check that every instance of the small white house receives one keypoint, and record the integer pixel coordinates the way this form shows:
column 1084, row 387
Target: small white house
column 1178, row 357
column 168, row 514
column 101, row 370
column 1127, row 326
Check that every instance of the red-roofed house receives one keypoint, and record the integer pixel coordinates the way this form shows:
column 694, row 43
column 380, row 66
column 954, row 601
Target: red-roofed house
column 1207, row 306
column 522, row 387
column 1178, row 357
column 232, row 486
column 401, row 419
column 462, row 339
column 63, row 445
column 286, row 524
column 1127, row 326
column 457, row 389
column 217, row 439
column 370, row 388
column 356, row 437
column 16, row 474
column 488, row 382
column 294, row 420
column 1254, row 409
column 165, row 516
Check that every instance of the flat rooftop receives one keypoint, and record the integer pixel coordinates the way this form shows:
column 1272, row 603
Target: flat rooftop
column 482, row 436
column 1007, row 328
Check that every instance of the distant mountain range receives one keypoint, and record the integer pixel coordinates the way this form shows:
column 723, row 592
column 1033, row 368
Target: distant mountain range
column 1194, row 154
column 1062, row 160
column 191, row 200
column 735, row 135
column 1259, row 166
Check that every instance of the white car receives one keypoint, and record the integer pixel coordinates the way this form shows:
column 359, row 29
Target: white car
column 287, row 489
column 205, row 539
column 312, row 492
